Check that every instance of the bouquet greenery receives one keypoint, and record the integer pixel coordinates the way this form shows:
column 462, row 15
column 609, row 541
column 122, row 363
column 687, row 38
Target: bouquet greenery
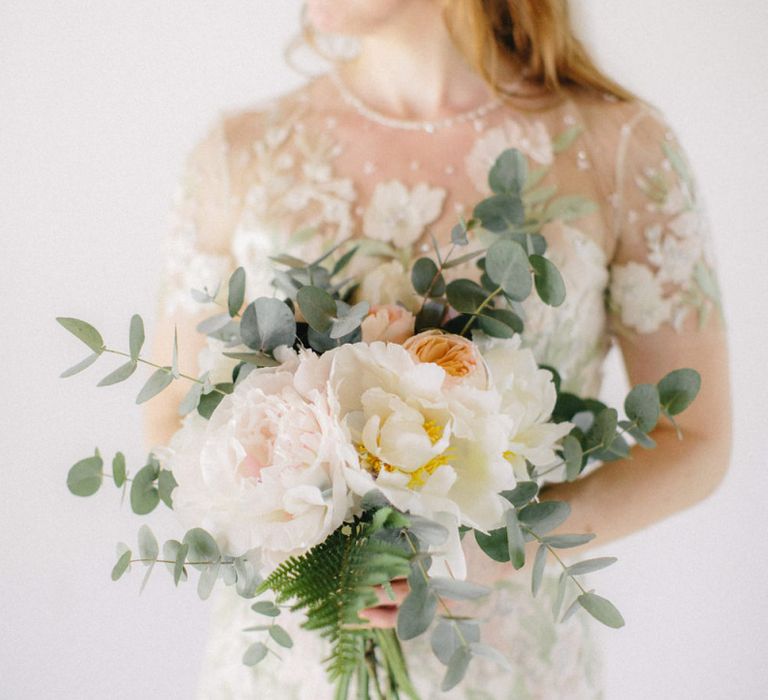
column 339, row 445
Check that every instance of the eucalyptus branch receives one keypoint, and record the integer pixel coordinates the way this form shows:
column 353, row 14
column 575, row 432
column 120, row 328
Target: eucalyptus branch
column 191, row 563
column 440, row 267
column 166, row 369
column 477, row 311
column 590, row 450
column 444, row 605
column 554, row 553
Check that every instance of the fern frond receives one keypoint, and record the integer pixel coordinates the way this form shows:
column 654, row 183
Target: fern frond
column 333, row 581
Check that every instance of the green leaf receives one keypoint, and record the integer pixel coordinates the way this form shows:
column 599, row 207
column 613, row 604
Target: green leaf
column 416, row 612
column 678, row 390
column 562, row 584
column 571, row 610
column 494, row 544
column 642, row 439
column 509, row 172
column 136, row 336
column 213, row 324
column 565, row 139
column 144, row 495
column 601, row 609
column 80, row 366
column 532, row 243
column 122, row 565
column 248, row 578
column 202, row 547
column 175, row 354
column 178, row 567
column 236, row 291
column 500, row 212
column 280, row 636
column 500, row 323
column 255, row 654
column 118, row 469
column 515, row 540
column 457, row 668
column 208, row 579
column 507, row 265
column 522, row 494
column 459, row 234
column 545, row 516
column 254, row 358
column 165, row 485
column 148, row 547
column 208, row 403
column 567, row 541
column 642, row 406
column 157, row 381
column 268, row 323
column 190, row 401
column 573, row 456
column 343, row 261
column 84, row 332
column 318, row 307
column 427, row 531
column 85, row 477
column 120, row 374
column 265, row 607
column 603, row 430
column 423, row 273
column 348, row 318
column 455, row 589
column 549, row 283
column 589, row 565
column 465, row 295
column 537, row 574
column 171, row 551
column 569, row 207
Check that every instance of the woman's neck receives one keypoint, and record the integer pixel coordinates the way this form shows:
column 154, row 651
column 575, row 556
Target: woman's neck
column 411, row 69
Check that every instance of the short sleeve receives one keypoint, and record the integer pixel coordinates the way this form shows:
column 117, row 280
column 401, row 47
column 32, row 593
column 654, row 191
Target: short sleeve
column 662, row 274
column 196, row 252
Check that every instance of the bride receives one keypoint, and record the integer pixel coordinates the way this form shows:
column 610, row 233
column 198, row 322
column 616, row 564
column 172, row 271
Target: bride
column 393, row 145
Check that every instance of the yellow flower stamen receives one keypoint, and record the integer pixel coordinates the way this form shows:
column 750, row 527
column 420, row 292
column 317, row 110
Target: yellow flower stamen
column 419, row 476
column 433, row 430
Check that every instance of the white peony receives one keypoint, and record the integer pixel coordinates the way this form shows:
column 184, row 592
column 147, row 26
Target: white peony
column 432, row 447
column 638, row 295
column 266, row 471
column 398, row 215
column 528, row 397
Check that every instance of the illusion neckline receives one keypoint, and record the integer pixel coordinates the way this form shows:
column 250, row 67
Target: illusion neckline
column 429, row 126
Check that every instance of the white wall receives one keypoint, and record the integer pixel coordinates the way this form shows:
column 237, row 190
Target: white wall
column 100, row 101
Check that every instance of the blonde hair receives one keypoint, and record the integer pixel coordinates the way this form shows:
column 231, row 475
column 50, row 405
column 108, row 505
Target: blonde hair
column 534, row 36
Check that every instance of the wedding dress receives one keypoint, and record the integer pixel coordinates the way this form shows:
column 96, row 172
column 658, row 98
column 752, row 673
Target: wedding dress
column 315, row 167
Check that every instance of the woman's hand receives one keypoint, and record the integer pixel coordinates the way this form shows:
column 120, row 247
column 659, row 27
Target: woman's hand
column 384, row 615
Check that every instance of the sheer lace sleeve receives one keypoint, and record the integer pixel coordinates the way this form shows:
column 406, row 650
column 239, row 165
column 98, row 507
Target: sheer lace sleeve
column 197, row 244
column 663, row 269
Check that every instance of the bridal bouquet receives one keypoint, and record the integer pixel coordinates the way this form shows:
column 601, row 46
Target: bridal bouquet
column 333, row 446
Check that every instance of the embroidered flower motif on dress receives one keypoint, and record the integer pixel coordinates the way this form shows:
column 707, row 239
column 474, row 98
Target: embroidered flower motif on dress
column 398, row 215
column 676, row 277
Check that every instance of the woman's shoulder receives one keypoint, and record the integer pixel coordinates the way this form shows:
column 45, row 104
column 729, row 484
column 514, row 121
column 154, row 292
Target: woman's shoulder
column 269, row 118
column 615, row 121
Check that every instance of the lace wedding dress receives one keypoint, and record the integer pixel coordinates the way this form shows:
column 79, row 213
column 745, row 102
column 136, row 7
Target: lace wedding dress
column 315, row 167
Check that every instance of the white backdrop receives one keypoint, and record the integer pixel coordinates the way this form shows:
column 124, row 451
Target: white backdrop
column 101, row 99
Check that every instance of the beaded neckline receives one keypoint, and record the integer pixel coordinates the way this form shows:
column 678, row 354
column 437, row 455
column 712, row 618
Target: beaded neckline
column 428, row 126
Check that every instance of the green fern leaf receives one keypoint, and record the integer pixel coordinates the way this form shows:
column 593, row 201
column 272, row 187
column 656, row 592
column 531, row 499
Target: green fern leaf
column 334, row 581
